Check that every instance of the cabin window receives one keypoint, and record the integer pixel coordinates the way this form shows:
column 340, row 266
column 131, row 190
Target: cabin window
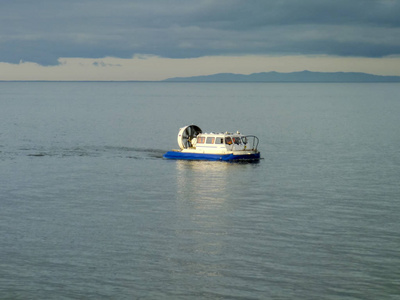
column 237, row 140
column 210, row 140
column 228, row 140
column 201, row 140
column 219, row 140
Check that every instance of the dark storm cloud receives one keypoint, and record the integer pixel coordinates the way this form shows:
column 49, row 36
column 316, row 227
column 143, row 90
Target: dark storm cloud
column 42, row 31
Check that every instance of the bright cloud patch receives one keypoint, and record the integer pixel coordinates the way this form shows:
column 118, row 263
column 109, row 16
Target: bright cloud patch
column 153, row 68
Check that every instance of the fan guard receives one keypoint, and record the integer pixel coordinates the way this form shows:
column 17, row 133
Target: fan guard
column 186, row 134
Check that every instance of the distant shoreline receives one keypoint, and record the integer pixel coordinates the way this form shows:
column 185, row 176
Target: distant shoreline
column 180, row 81
column 264, row 77
column 298, row 77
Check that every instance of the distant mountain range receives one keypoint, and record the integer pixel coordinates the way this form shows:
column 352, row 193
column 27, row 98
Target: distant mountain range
column 304, row 76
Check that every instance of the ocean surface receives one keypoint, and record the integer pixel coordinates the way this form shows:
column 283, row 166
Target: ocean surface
column 89, row 209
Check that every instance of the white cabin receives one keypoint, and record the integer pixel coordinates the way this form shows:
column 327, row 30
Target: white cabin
column 192, row 139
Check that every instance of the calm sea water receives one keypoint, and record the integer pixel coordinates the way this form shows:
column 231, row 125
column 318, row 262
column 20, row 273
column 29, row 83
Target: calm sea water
column 89, row 209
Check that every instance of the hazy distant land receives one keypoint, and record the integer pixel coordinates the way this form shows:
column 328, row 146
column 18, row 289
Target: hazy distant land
column 303, row 76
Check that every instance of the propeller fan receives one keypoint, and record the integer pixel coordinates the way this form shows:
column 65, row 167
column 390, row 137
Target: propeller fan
column 186, row 134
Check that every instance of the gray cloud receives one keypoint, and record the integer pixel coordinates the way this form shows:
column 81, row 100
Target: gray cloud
column 44, row 30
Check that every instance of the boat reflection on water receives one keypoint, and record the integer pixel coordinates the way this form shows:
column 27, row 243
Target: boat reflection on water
column 201, row 181
column 209, row 183
column 208, row 193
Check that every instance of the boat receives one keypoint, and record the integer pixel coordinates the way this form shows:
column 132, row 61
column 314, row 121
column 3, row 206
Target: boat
column 223, row 146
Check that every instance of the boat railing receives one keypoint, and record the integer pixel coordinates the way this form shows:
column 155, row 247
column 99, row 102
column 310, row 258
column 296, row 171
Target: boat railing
column 251, row 140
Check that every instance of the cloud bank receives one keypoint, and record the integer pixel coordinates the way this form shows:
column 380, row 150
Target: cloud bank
column 44, row 31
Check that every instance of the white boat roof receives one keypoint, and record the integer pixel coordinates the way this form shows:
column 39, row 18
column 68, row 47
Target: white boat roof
column 219, row 133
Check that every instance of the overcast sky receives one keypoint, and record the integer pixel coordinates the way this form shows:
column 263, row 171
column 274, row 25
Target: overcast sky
column 71, row 39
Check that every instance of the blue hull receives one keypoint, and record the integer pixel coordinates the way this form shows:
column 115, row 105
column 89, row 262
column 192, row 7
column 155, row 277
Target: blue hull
column 215, row 157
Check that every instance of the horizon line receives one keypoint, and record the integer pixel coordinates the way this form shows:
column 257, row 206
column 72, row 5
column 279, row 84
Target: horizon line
column 203, row 78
